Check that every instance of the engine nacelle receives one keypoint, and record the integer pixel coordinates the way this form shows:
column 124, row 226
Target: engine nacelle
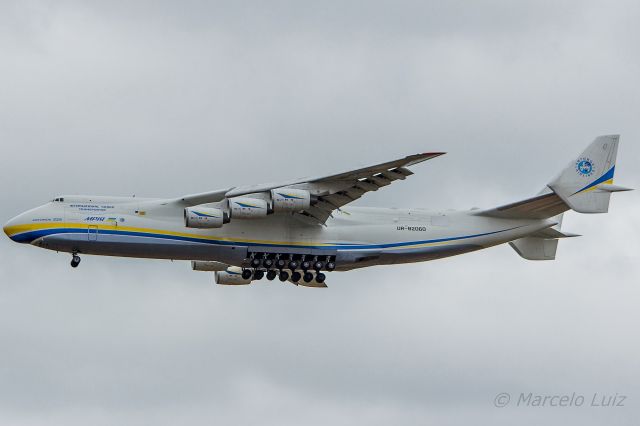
column 232, row 276
column 290, row 200
column 248, row 208
column 208, row 265
column 203, row 217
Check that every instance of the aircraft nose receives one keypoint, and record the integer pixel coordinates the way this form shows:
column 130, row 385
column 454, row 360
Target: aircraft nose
column 9, row 228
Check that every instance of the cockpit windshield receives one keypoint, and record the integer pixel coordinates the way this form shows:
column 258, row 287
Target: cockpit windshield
column 58, row 200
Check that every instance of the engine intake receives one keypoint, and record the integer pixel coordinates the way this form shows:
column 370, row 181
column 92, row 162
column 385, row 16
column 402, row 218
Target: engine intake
column 232, row 276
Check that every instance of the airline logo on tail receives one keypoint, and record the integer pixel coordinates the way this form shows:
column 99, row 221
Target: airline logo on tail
column 584, row 167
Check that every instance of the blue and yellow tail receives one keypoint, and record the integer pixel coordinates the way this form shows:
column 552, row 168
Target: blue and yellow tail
column 586, row 184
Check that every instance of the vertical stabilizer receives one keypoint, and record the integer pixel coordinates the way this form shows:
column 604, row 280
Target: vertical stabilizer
column 585, row 184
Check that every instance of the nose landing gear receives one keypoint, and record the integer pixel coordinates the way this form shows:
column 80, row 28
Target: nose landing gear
column 75, row 260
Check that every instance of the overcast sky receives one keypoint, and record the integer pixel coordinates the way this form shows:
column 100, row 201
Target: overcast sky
column 162, row 98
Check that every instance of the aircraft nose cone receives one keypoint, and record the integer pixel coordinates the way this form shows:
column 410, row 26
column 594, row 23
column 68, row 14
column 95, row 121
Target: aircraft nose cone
column 8, row 229
column 5, row 228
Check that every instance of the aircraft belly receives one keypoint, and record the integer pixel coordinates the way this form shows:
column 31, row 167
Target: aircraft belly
column 143, row 247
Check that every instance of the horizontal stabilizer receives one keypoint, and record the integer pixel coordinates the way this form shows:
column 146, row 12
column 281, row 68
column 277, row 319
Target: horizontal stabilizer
column 551, row 233
column 613, row 188
column 532, row 248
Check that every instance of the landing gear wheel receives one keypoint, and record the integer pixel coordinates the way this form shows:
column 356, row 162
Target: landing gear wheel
column 255, row 262
column 295, row 277
column 284, row 275
column 75, row 261
column 308, row 276
column 267, row 263
column 257, row 275
column 293, row 265
column 281, row 263
column 330, row 266
column 246, row 274
column 320, row 277
column 271, row 275
column 318, row 266
column 305, row 265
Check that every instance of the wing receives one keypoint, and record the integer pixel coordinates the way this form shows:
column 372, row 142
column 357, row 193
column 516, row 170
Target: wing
column 329, row 192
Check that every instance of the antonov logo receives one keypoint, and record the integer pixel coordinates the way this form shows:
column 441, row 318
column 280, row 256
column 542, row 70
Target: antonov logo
column 584, row 167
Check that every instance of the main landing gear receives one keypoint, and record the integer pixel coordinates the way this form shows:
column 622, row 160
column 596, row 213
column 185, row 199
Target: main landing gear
column 75, row 260
column 292, row 267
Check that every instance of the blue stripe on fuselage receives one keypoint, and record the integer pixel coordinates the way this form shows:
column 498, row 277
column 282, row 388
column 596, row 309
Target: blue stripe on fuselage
column 28, row 237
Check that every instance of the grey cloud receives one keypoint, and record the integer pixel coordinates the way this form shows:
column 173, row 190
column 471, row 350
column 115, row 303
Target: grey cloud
column 159, row 99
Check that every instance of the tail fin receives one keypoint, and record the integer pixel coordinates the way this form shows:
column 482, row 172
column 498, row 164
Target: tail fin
column 586, row 184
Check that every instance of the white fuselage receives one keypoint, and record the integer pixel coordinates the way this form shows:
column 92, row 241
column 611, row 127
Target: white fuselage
column 356, row 236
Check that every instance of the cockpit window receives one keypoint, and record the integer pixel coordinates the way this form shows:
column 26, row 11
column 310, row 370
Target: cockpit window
column 58, row 200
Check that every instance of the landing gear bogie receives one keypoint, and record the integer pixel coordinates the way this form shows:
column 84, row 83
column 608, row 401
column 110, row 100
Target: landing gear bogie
column 288, row 266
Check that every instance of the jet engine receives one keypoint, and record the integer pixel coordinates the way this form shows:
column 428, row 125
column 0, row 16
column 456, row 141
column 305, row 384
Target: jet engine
column 203, row 217
column 290, row 200
column 248, row 208
column 208, row 265
column 232, row 276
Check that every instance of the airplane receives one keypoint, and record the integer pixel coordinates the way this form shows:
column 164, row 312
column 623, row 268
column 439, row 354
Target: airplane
column 299, row 229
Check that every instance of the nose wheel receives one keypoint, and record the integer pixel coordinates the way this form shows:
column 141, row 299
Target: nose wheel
column 75, row 261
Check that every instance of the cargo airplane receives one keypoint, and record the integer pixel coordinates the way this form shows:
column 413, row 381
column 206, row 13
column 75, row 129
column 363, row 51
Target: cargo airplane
column 300, row 229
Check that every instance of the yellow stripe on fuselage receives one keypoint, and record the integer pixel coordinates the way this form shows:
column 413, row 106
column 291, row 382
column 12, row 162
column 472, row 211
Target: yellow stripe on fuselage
column 20, row 229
